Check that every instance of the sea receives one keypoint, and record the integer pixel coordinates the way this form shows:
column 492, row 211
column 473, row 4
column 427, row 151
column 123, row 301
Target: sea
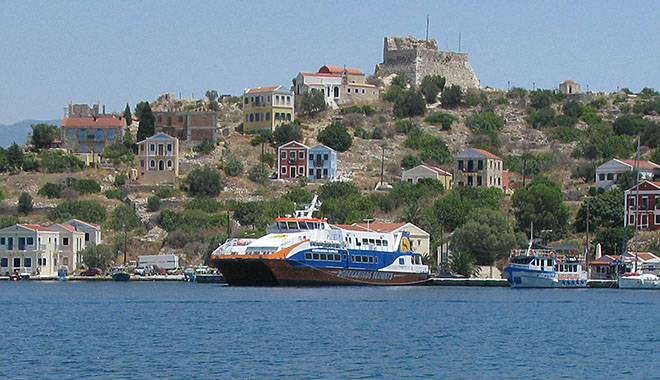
column 171, row 330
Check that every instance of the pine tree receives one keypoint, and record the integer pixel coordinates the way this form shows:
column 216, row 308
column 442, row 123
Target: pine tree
column 128, row 116
column 146, row 128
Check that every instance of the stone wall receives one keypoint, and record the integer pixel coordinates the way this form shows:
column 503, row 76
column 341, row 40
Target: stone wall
column 414, row 59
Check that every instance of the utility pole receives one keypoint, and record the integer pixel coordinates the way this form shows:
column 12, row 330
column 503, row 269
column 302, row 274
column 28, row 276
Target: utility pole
column 123, row 227
column 427, row 28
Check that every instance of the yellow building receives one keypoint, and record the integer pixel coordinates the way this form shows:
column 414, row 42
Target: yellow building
column 266, row 108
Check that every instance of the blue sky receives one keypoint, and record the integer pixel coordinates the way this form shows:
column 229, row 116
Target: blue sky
column 118, row 52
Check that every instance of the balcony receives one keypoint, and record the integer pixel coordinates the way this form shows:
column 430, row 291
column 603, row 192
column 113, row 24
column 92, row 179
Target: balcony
column 25, row 248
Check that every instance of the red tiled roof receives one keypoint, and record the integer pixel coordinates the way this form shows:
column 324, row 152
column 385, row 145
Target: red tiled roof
column 67, row 226
column 36, row 227
column 437, row 170
column 262, row 89
column 320, row 75
column 93, row 122
column 605, row 260
column 485, row 152
column 380, row 226
column 339, row 70
column 642, row 164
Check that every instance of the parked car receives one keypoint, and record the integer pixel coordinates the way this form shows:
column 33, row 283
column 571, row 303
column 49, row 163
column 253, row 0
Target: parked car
column 92, row 272
column 143, row 270
column 159, row 271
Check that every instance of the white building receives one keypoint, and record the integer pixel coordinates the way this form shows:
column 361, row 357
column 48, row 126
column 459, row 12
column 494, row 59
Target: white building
column 72, row 243
column 92, row 231
column 608, row 173
column 29, row 248
column 413, row 175
column 339, row 85
column 158, row 159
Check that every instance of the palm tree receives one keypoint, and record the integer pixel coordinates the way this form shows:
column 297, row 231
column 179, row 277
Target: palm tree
column 463, row 263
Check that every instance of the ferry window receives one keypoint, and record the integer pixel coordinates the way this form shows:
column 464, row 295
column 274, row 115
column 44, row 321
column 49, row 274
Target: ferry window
column 292, row 225
column 337, row 257
column 308, row 256
column 316, row 256
column 376, row 259
column 372, row 241
column 358, row 259
column 365, row 241
column 371, row 259
column 281, row 225
column 401, row 261
column 323, row 256
column 345, row 256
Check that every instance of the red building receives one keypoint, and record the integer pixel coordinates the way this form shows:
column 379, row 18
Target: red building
column 292, row 160
column 642, row 207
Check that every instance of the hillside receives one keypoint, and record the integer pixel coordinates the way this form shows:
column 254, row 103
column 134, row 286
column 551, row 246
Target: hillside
column 534, row 139
column 18, row 132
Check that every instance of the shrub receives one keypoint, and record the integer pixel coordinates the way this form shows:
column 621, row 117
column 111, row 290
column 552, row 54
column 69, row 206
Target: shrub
column 572, row 108
column 265, row 136
column 441, row 118
column 407, row 127
column 205, row 204
column 88, row 210
column 124, row 218
column 204, row 182
column 50, row 190
column 543, row 117
column 377, row 133
column 410, row 161
column 117, row 153
column 364, row 110
column 585, row 171
column 164, row 192
column 153, row 203
column 58, row 162
column 24, row 203
column 336, row 136
column 452, row 96
column 206, row 146
column 7, row 220
column 257, row 173
column 287, row 132
column 233, row 167
column 120, row 179
column 410, row 103
column 83, row 186
column 432, row 147
column 114, row 194
column 312, row 103
column 431, row 86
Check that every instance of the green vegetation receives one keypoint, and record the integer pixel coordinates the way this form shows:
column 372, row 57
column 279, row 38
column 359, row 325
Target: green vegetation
column 127, row 115
column 24, row 203
column 124, row 218
column 605, row 211
column 285, row 133
column 452, row 96
column 312, row 103
column 206, row 146
column 542, row 203
column 233, row 167
column 204, row 182
column 43, row 135
column 50, row 190
column 83, row 186
column 464, row 264
column 8, row 220
column 88, row 210
column 451, row 210
column 146, row 127
column 257, row 173
column 431, row 86
column 364, row 110
column 118, row 153
column 441, row 118
column 98, row 256
column 336, row 136
column 114, row 194
column 432, row 148
column 153, row 203
column 410, row 161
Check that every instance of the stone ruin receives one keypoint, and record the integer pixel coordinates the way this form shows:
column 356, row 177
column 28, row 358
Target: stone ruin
column 414, row 59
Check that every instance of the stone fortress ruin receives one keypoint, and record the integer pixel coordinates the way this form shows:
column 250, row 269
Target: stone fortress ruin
column 414, row 59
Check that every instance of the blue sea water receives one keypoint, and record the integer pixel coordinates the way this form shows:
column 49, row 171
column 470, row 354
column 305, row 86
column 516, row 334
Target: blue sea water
column 152, row 330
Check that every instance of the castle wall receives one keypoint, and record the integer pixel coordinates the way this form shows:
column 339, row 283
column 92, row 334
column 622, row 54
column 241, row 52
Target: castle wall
column 414, row 59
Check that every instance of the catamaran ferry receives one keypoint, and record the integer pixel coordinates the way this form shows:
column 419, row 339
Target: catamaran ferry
column 303, row 250
column 544, row 269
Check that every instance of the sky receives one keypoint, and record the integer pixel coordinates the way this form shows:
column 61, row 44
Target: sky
column 53, row 53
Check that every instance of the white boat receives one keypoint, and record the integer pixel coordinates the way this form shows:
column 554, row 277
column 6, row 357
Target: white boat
column 544, row 269
column 639, row 281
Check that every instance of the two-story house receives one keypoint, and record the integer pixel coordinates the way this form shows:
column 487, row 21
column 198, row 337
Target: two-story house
column 478, row 167
column 71, row 245
column 292, row 160
column 187, row 126
column 642, row 206
column 322, row 162
column 339, row 85
column 265, row 108
column 157, row 159
column 413, row 175
column 91, row 135
column 30, row 249
column 608, row 173
column 92, row 231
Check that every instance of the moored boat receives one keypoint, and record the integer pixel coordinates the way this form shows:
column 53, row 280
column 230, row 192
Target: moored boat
column 544, row 269
column 303, row 250
column 639, row 281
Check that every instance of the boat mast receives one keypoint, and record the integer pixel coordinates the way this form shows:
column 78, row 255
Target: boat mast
column 636, row 205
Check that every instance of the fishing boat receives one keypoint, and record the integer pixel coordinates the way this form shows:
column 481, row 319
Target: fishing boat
column 303, row 250
column 119, row 274
column 544, row 268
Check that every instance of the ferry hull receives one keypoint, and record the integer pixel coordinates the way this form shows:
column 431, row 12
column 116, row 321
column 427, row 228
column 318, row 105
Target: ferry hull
column 273, row 272
column 539, row 279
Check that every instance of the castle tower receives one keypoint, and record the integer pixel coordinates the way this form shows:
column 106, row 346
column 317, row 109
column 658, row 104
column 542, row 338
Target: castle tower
column 414, row 59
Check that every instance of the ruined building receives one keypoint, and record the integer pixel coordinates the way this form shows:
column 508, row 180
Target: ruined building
column 414, row 59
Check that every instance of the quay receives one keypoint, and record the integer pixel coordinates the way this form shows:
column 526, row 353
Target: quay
column 500, row 282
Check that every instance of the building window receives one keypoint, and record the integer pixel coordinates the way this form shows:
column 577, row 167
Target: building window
column 601, row 177
column 283, row 170
column 631, row 220
column 631, row 202
column 99, row 134
column 480, row 164
column 152, row 147
column 460, row 164
column 288, row 100
column 610, row 176
column 257, row 117
column 657, row 219
column 288, row 117
column 169, row 147
column 141, row 163
column 363, row 91
column 83, row 134
column 65, row 241
column 277, row 99
column 141, row 147
column 169, row 163
column 479, row 180
column 71, row 133
column 348, row 91
column 83, row 148
column 311, row 156
column 99, row 148
column 283, row 155
column 4, row 262
column 246, row 118
column 2, row 241
column 336, row 92
column 247, row 101
column 325, row 172
column 267, row 115
column 325, row 157
column 17, row 262
column 27, row 262
column 251, row 117
column 311, row 171
column 301, row 155
column 152, row 163
column 470, row 181
column 499, row 181
column 301, row 171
